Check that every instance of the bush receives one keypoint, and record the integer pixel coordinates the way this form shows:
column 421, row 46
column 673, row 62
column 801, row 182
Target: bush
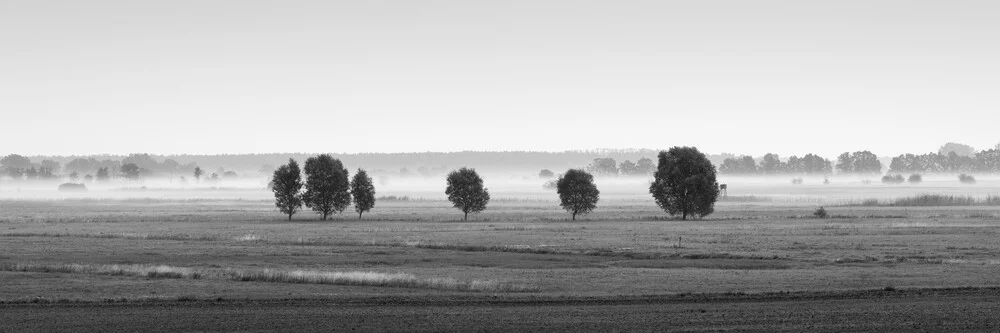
column 821, row 213
column 72, row 187
column 966, row 179
column 797, row 181
column 915, row 178
column 892, row 179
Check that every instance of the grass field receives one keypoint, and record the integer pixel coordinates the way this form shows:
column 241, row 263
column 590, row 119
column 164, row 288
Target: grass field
column 135, row 251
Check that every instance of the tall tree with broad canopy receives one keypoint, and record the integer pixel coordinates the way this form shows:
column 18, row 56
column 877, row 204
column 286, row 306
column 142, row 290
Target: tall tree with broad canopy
column 685, row 183
column 286, row 184
column 465, row 190
column 577, row 192
column 363, row 191
column 327, row 186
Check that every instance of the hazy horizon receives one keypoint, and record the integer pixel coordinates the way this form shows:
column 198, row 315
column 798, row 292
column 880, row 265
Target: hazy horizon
column 786, row 77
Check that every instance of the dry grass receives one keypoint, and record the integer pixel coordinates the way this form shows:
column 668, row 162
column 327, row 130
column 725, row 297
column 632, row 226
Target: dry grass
column 149, row 271
column 932, row 200
column 374, row 279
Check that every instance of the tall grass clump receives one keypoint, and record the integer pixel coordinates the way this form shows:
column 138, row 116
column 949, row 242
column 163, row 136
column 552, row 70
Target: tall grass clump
column 821, row 213
column 945, row 200
column 892, row 179
column 149, row 271
column 375, row 279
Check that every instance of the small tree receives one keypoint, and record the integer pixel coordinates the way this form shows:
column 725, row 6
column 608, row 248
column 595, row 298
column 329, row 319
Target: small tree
column 327, row 185
column 546, row 173
column 286, row 184
column 628, row 168
column 103, row 175
column 684, row 182
column 130, row 171
column 197, row 174
column 577, row 192
column 465, row 190
column 363, row 191
column 604, row 167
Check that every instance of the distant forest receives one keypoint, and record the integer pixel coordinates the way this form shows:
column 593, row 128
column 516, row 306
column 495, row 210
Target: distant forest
column 950, row 158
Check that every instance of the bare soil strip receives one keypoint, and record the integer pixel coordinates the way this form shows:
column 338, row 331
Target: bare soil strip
column 953, row 310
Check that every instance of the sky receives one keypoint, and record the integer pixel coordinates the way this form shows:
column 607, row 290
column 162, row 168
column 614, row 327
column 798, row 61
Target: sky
column 744, row 77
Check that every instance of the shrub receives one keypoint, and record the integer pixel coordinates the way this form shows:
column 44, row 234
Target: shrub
column 966, row 179
column 821, row 213
column 915, row 178
column 797, row 181
column 892, row 179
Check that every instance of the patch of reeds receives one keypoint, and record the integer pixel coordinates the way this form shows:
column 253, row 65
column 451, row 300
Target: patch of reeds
column 148, row 271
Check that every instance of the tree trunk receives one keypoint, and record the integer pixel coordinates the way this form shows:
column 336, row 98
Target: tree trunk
column 324, row 216
column 466, row 218
column 574, row 216
column 684, row 216
column 289, row 217
column 359, row 215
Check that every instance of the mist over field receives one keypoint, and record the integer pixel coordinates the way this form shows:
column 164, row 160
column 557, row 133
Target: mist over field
column 499, row 166
column 508, row 175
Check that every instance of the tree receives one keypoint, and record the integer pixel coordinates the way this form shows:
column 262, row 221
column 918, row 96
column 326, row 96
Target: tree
column 197, row 174
column 31, row 173
column 546, row 173
column 465, row 190
column 363, row 191
column 771, row 164
column 73, row 177
column 645, row 166
column 844, row 163
column 628, row 168
column 861, row 162
column 15, row 161
column 52, row 166
column 743, row 165
column 286, row 182
column 130, row 171
column 604, row 167
column 103, row 175
column 327, row 185
column 577, row 192
column 685, row 183
column 957, row 148
column 866, row 162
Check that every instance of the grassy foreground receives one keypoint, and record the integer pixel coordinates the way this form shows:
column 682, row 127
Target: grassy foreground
column 86, row 252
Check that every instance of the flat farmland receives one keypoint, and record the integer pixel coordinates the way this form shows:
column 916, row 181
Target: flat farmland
column 199, row 257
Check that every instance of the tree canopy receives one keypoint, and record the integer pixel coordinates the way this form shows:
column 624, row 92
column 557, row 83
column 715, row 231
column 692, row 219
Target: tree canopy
column 466, row 192
column 684, row 183
column 363, row 191
column 286, row 183
column 327, row 186
column 577, row 192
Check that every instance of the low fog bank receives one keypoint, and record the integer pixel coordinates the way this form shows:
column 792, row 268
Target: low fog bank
column 520, row 186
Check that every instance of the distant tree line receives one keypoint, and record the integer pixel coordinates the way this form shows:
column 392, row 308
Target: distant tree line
column 131, row 168
column 772, row 164
column 328, row 187
column 984, row 161
column 684, row 184
column 608, row 167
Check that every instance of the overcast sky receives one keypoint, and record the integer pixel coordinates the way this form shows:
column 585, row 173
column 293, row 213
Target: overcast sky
column 749, row 77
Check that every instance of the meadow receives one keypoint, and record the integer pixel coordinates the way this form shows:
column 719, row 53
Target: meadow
column 89, row 251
